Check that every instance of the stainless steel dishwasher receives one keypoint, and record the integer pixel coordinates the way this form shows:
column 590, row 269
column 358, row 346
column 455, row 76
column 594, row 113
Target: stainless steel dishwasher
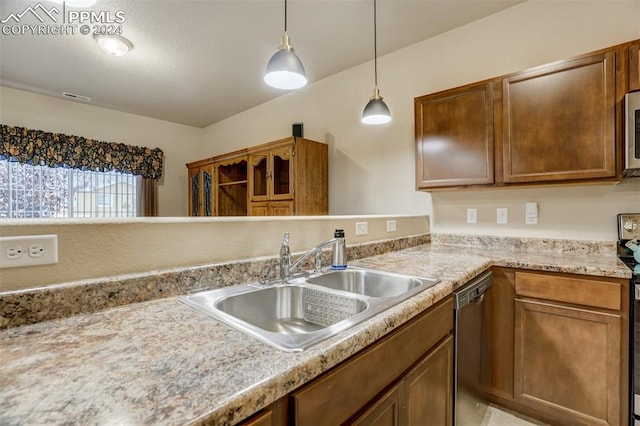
column 469, row 407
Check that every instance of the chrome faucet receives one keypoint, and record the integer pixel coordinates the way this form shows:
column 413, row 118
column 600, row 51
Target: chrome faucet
column 338, row 255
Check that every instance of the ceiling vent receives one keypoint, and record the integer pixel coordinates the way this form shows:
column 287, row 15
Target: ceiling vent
column 76, row 97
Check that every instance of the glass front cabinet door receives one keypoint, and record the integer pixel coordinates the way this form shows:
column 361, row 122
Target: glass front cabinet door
column 281, row 184
column 271, row 174
column 201, row 181
column 259, row 174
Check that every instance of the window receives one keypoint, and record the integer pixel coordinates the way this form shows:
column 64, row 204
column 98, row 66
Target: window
column 39, row 191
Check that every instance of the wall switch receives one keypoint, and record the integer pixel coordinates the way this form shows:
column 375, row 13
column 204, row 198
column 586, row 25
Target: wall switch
column 362, row 228
column 28, row 250
column 391, row 226
column 531, row 213
column 472, row 215
column 502, row 215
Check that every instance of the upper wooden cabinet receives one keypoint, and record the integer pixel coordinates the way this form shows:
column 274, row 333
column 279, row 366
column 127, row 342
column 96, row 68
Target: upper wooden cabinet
column 289, row 177
column 454, row 137
column 558, row 121
column 280, row 178
column 552, row 124
column 634, row 66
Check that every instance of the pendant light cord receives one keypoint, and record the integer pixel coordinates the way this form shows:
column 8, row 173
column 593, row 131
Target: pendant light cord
column 375, row 43
column 285, row 16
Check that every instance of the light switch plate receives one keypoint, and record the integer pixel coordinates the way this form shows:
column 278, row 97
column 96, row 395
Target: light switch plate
column 391, row 226
column 472, row 215
column 531, row 213
column 502, row 215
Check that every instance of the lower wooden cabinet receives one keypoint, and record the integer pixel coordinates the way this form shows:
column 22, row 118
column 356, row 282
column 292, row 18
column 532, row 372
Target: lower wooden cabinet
column 405, row 378
column 567, row 362
column 422, row 397
column 496, row 357
column 556, row 346
column 429, row 388
column 386, row 411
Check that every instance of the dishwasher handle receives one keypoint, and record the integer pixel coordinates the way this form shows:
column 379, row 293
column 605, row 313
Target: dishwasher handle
column 473, row 291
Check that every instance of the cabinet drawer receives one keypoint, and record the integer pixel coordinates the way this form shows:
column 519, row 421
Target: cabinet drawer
column 342, row 392
column 597, row 292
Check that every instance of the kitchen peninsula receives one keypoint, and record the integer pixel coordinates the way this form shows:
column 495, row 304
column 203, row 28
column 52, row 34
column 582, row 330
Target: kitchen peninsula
column 161, row 362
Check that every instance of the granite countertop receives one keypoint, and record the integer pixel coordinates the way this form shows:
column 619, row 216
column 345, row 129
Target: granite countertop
column 160, row 362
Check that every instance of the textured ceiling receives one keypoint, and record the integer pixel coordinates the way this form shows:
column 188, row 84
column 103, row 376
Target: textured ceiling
column 199, row 62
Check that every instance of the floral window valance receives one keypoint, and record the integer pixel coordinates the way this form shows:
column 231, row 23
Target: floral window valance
column 37, row 147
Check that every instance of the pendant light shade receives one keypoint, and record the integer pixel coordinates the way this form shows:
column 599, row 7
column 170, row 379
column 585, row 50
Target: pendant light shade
column 285, row 69
column 376, row 111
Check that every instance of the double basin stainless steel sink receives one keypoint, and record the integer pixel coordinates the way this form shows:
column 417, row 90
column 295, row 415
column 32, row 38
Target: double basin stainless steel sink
column 306, row 310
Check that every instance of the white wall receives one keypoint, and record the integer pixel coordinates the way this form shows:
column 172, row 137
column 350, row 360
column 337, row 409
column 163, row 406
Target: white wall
column 371, row 169
column 180, row 143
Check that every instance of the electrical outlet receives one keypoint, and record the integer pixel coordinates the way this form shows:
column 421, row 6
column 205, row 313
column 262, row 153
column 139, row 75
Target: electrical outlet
column 391, row 226
column 502, row 215
column 36, row 250
column 28, row 250
column 362, row 228
column 14, row 252
column 472, row 215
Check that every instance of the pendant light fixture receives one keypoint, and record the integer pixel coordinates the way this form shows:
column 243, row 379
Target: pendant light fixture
column 376, row 111
column 285, row 70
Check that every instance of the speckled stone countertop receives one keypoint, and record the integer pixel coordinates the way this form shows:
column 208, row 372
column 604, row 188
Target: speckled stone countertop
column 160, row 362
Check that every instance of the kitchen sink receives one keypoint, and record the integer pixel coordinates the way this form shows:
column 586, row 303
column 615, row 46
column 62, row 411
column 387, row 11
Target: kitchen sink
column 295, row 315
column 291, row 309
column 371, row 283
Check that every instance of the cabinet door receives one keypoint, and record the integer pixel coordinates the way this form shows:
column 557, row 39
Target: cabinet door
column 454, row 137
column 634, row 67
column 260, row 208
column 263, row 419
column 428, row 388
column 281, row 208
column 496, row 357
column 384, row 412
column 558, row 121
column 208, row 190
column 258, row 177
column 281, row 175
column 195, row 192
column 567, row 362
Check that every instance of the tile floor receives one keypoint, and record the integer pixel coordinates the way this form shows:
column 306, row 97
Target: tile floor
column 500, row 417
